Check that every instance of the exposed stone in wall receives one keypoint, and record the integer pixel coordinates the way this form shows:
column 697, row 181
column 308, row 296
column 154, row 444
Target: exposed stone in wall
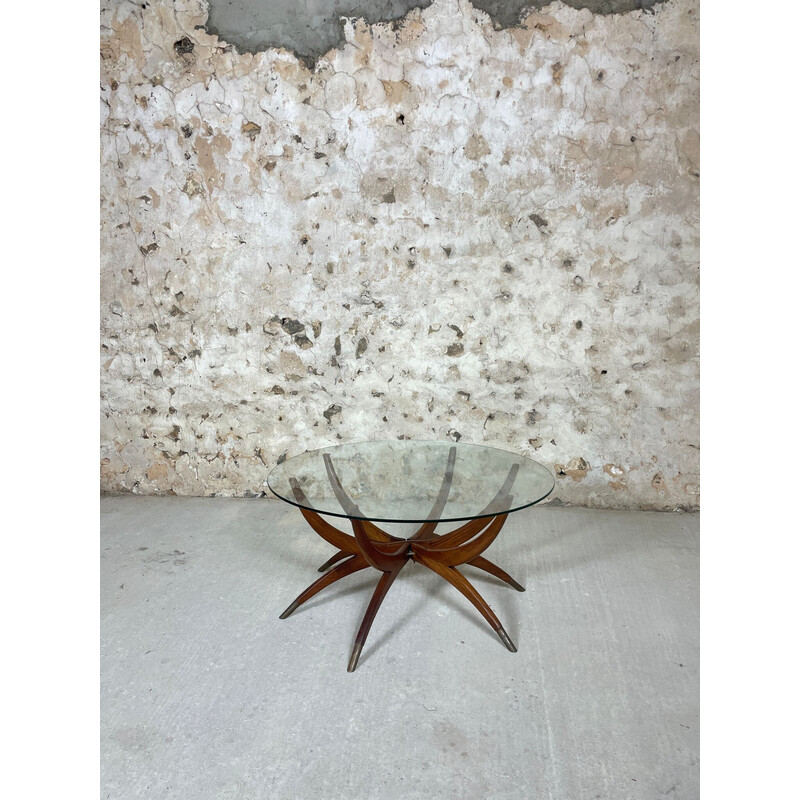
column 444, row 230
column 254, row 25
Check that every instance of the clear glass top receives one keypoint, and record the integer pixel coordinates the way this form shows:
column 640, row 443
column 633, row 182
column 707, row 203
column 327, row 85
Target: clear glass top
column 411, row 481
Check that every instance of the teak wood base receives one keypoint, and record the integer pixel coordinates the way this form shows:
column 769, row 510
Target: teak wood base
column 372, row 547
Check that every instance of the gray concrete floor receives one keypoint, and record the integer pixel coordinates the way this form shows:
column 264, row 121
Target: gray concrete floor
column 207, row 694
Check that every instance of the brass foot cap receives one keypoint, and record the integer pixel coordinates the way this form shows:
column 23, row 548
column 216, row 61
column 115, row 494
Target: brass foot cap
column 354, row 658
column 506, row 641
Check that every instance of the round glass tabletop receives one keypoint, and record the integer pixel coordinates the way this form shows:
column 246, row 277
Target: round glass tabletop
column 411, row 481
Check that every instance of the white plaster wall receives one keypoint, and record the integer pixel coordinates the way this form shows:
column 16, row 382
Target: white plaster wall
column 443, row 231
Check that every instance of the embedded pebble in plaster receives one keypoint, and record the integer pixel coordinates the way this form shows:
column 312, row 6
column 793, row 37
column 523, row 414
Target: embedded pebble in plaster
column 401, row 243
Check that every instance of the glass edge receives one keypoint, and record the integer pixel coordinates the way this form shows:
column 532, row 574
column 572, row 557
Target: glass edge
column 413, row 521
column 421, row 441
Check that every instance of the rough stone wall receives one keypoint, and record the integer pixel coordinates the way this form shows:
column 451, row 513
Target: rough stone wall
column 442, row 230
column 312, row 27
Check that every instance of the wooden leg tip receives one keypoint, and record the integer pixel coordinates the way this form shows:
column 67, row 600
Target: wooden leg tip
column 504, row 638
column 518, row 586
column 288, row 611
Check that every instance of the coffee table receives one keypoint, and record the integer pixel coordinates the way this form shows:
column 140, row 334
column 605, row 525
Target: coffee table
column 405, row 481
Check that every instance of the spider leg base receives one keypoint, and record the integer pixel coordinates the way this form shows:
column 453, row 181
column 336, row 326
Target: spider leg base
column 372, row 547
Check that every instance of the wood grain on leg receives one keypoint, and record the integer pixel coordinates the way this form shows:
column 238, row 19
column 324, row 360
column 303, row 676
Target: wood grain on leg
column 333, row 559
column 453, row 556
column 454, row 577
column 487, row 566
column 387, row 579
column 353, row 564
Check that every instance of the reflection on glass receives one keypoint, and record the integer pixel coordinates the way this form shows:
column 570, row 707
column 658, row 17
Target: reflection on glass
column 411, row 481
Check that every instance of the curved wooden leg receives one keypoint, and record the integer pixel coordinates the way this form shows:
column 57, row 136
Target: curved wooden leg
column 441, row 550
column 332, row 560
column 387, row 579
column 487, row 566
column 453, row 576
column 379, row 544
column 477, row 561
column 353, row 564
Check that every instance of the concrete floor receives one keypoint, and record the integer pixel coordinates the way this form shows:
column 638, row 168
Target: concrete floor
column 207, row 694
